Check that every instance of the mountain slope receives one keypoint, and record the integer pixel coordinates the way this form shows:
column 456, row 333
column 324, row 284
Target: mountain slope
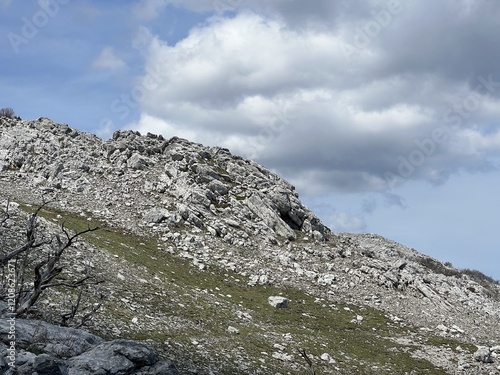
column 197, row 239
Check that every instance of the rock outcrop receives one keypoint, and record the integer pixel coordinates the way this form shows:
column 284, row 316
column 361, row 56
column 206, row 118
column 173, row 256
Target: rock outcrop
column 69, row 351
column 169, row 182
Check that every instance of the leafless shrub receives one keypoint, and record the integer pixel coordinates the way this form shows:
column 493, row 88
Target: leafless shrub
column 7, row 112
column 35, row 266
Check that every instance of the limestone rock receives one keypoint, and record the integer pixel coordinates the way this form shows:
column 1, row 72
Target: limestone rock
column 137, row 161
column 278, row 302
column 483, row 354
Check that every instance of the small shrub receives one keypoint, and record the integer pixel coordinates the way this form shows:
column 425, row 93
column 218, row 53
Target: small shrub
column 479, row 276
column 438, row 267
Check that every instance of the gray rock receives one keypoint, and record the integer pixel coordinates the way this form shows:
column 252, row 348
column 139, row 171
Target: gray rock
column 156, row 215
column 483, row 354
column 278, row 302
column 115, row 357
column 44, row 365
column 137, row 161
column 218, row 187
column 49, row 338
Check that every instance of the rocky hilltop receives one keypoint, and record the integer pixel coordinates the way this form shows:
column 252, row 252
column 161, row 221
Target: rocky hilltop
column 151, row 180
column 213, row 260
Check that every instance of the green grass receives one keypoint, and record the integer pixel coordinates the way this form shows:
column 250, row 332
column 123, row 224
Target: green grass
column 210, row 299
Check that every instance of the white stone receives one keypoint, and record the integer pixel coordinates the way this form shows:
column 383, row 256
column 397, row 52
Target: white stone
column 442, row 328
column 456, row 329
column 327, row 358
column 278, row 302
column 283, row 357
column 263, row 279
column 279, row 347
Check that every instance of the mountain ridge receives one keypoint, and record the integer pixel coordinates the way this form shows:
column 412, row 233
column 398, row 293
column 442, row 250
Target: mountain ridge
column 220, row 211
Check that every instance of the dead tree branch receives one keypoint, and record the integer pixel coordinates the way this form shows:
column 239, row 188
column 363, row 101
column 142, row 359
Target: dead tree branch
column 307, row 359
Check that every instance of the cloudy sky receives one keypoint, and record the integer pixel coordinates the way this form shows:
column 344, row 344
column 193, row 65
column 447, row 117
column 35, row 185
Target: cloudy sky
column 384, row 114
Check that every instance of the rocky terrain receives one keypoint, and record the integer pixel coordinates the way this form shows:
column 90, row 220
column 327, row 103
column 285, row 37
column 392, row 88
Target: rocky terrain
column 212, row 261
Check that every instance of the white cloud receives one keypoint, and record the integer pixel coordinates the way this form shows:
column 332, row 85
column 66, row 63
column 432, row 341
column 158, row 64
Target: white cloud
column 108, row 60
column 289, row 98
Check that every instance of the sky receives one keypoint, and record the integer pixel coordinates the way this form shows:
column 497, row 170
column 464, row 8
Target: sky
column 385, row 115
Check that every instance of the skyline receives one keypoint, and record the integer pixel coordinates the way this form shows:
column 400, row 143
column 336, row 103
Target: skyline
column 384, row 116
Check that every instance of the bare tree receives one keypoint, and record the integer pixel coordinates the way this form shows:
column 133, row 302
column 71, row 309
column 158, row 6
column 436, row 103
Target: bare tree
column 7, row 112
column 37, row 262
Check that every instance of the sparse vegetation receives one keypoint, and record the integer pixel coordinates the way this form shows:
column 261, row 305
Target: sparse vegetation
column 479, row 276
column 7, row 112
column 35, row 266
column 447, row 269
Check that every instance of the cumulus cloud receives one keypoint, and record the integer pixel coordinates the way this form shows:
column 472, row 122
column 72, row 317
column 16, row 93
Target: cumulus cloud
column 287, row 95
column 108, row 60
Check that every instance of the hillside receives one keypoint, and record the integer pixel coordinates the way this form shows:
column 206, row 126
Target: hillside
column 194, row 241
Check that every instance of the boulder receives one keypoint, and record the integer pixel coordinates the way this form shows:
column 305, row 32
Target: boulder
column 483, row 354
column 137, row 161
column 69, row 351
column 44, row 365
column 116, row 357
column 48, row 338
column 156, row 215
column 278, row 302
column 218, row 188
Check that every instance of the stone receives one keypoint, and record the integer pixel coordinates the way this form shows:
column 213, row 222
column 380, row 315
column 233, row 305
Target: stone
column 139, row 162
column 483, row 354
column 442, row 328
column 278, row 302
column 233, row 330
column 283, row 357
column 495, row 349
column 327, row 358
column 233, row 223
column 51, row 339
column 218, row 188
column 114, row 357
column 455, row 329
column 44, row 365
column 156, row 215
column 318, row 236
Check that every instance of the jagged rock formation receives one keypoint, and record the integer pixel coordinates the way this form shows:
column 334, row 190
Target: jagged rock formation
column 167, row 182
column 221, row 212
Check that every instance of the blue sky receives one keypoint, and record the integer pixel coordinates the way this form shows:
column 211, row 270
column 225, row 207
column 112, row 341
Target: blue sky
column 384, row 114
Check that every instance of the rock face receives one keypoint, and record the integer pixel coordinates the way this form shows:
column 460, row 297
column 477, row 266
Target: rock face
column 68, row 351
column 218, row 211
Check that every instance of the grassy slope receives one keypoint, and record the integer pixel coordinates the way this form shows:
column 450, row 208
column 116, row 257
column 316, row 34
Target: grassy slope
column 203, row 304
